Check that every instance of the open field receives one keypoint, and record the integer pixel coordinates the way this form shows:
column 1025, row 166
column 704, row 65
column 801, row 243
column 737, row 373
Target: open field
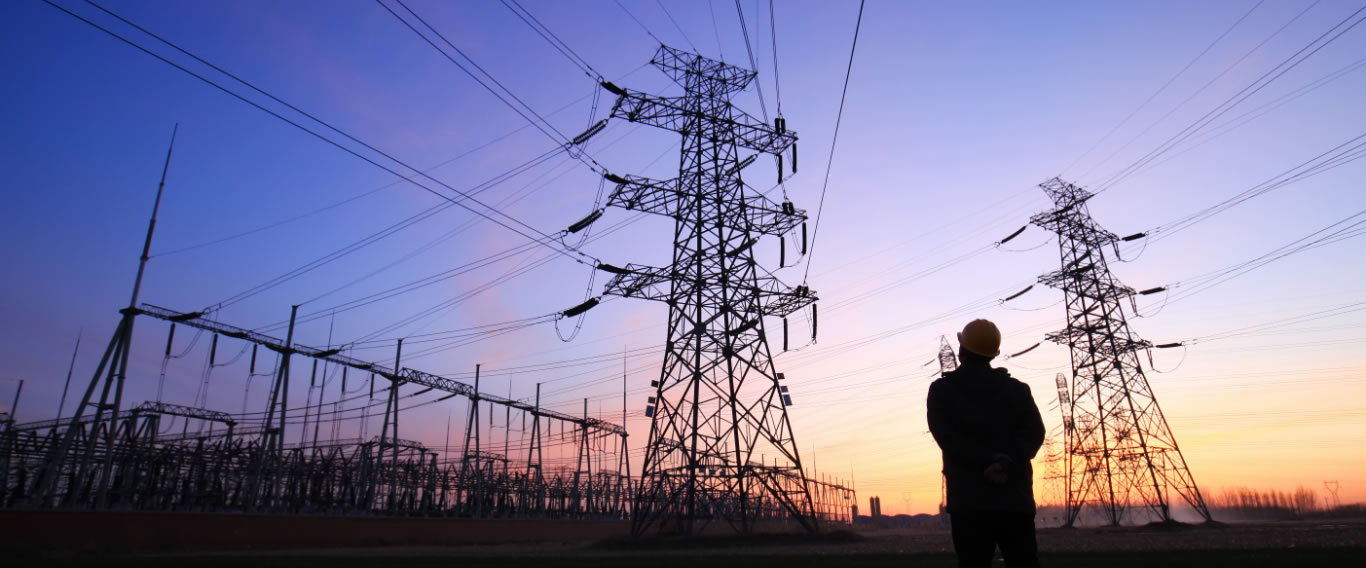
column 1300, row 543
column 1164, row 559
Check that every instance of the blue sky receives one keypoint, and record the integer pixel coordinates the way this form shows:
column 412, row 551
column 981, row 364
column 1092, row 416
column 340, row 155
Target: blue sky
column 955, row 112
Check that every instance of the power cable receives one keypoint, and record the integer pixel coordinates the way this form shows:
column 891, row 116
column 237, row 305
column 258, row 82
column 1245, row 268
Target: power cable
column 773, row 35
column 753, row 63
column 716, row 30
column 675, row 24
column 460, row 202
column 1164, row 85
column 554, row 40
column 1252, row 89
column 839, row 117
column 639, row 23
column 1202, row 88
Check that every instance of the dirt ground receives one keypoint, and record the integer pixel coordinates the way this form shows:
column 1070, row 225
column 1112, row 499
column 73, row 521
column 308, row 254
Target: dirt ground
column 1245, row 545
column 1334, row 534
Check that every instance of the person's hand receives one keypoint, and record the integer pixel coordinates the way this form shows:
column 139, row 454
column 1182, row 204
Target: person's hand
column 995, row 473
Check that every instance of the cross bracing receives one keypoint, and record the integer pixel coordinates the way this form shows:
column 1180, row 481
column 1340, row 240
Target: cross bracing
column 1120, row 452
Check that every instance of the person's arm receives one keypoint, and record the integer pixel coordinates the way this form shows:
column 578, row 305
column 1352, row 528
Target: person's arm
column 955, row 445
column 1029, row 433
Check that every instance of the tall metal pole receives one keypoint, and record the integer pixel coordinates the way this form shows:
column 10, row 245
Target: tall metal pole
column 14, row 407
column 116, row 361
column 61, row 406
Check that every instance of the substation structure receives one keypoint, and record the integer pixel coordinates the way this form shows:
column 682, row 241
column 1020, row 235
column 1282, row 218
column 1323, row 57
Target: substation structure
column 721, row 447
column 1119, row 451
column 138, row 459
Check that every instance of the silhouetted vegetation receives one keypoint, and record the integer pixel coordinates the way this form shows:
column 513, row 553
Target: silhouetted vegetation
column 1241, row 503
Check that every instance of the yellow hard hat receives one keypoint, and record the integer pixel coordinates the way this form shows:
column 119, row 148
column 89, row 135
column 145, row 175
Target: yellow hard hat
column 981, row 337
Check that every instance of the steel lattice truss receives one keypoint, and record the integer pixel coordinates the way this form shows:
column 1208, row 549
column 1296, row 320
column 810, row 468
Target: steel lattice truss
column 1120, row 453
column 721, row 446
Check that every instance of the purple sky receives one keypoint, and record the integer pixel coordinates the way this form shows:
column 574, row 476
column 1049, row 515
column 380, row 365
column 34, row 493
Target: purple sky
column 955, row 112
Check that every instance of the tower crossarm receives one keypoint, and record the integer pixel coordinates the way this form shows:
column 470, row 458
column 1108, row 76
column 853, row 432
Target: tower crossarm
column 169, row 409
column 679, row 65
column 673, row 113
column 639, row 281
column 399, row 443
column 775, row 298
column 771, row 218
column 1108, row 347
column 664, row 197
column 1066, row 279
column 454, row 387
column 778, row 299
column 644, row 194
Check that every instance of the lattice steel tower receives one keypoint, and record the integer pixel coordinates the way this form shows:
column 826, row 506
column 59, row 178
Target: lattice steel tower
column 721, row 446
column 1120, row 451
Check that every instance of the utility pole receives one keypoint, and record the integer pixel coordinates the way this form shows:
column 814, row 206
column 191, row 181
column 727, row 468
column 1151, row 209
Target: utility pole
column 1120, row 452
column 718, row 400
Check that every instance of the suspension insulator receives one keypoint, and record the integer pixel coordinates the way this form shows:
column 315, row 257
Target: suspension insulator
column 1018, row 294
column 746, row 327
column 813, row 322
column 252, row 368
column 794, row 157
column 780, row 168
column 613, row 269
column 344, row 369
column 744, row 163
column 372, row 386
column 586, row 221
column 581, row 308
column 784, row 334
column 742, row 248
column 592, row 131
column 789, row 208
column 1012, row 235
column 1030, row 348
column 170, row 337
column 803, row 237
column 213, row 350
column 782, row 252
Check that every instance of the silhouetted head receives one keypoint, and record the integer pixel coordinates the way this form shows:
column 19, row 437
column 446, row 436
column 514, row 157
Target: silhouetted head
column 980, row 339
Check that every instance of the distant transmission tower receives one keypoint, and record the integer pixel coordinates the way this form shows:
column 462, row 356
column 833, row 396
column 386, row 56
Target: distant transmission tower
column 718, row 405
column 1120, row 451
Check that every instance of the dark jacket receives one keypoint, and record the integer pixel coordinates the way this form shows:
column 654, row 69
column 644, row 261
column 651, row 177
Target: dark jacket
column 978, row 414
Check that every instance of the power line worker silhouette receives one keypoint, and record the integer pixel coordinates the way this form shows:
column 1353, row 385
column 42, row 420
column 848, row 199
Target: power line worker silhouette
column 988, row 427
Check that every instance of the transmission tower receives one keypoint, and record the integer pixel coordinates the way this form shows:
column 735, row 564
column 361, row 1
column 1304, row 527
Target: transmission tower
column 1120, row 451
column 721, row 446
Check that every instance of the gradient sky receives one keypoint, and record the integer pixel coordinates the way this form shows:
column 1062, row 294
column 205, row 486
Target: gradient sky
column 955, row 112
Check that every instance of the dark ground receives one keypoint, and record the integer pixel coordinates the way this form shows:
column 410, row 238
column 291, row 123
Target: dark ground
column 1300, row 543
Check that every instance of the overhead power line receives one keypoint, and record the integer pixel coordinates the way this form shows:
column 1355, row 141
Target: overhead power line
column 496, row 216
column 839, row 117
column 1253, row 88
